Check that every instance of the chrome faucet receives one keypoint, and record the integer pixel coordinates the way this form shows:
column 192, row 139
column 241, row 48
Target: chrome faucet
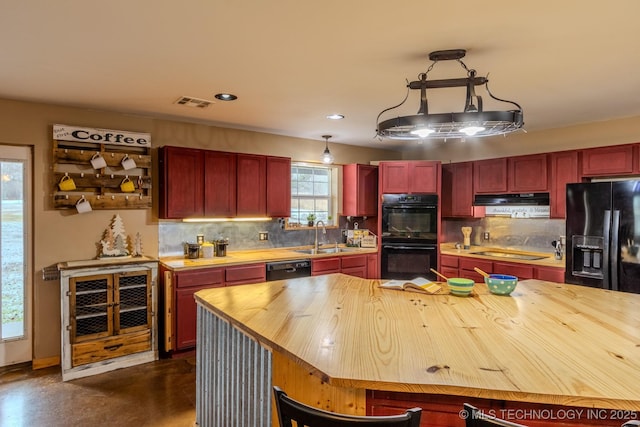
column 324, row 231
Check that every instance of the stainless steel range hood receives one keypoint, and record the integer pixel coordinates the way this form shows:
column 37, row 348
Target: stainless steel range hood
column 529, row 199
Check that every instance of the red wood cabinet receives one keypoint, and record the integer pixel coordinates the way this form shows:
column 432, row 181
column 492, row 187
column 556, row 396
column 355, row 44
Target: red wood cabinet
column 457, row 191
column 219, row 183
column 607, row 161
column 354, row 265
column 372, row 266
column 359, row 190
column 410, row 177
column 528, row 174
column 521, row 271
column 278, row 186
column 181, row 190
column 245, row 274
column 184, row 314
column 550, row 274
column 252, row 185
column 467, row 268
column 564, row 170
column 490, row 176
column 325, row 266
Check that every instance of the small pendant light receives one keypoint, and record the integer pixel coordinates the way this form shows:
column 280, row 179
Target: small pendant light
column 327, row 157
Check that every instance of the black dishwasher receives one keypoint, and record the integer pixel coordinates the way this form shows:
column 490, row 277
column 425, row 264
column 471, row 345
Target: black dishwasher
column 288, row 269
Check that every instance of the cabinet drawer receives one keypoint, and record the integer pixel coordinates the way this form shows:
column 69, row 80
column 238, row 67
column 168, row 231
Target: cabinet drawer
column 325, row 266
column 354, row 261
column 204, row 276
column 550, row 274
column 243, row 274
column 470, row 263
column 449, row 261
column 519, row 270
column 109, row 348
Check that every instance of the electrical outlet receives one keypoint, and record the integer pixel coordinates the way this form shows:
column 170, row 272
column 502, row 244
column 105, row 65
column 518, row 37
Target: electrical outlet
column 263, row 235
column 485, row 235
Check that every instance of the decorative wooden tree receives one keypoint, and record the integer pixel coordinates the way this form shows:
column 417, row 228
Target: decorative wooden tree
column 114, row 243
column 137, row 245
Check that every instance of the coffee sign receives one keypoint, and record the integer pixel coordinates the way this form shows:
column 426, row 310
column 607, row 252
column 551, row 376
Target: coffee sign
column 101, row 136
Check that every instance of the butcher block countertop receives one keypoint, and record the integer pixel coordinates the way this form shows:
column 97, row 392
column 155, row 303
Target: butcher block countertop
column 258, row 255
column 546, row 343
column 547, row 259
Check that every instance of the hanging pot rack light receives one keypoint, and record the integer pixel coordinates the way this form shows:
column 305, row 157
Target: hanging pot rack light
column 472, row 121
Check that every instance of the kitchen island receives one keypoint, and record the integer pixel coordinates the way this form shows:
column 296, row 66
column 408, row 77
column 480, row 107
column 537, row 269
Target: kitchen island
column 338, row 342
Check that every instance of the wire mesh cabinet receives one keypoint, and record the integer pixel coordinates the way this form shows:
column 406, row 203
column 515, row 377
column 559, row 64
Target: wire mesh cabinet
column 108, row 317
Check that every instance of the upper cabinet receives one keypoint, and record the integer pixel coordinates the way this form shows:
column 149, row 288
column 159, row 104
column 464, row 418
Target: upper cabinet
column 528, row 174
column 252, row 185
column 219, row 183
column 181, row 192
column 564, row 170
column 490, row 176
column 205, row 183
column 520, row 174
column 278, row 186
column 457, row 191
column 359, row 190
column 410, row 177
column 607, row 161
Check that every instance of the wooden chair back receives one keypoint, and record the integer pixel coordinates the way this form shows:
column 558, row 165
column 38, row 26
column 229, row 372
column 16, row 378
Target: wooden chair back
column 477, row 418
column 291, row 410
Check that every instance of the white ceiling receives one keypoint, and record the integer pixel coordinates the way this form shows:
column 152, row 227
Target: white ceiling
column 292, row 62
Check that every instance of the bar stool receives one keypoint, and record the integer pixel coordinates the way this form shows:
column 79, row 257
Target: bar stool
column 291, row 410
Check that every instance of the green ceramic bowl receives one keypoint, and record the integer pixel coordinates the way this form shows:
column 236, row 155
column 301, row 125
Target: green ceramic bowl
column 501, row 284
column 460, row 287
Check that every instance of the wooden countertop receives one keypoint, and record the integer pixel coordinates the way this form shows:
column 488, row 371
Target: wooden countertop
column 258, row 255
column 547, row 342
column 548, row 260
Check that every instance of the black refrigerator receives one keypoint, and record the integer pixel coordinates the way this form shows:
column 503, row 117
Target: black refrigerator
column 603, row 235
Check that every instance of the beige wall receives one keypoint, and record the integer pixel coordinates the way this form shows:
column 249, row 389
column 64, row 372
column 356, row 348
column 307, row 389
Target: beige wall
column 61, row 235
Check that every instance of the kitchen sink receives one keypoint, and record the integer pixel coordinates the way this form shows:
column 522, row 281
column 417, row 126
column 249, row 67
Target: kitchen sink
column 510, row 255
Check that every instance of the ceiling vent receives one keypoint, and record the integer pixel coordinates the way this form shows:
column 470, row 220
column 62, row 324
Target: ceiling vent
column 193, row 102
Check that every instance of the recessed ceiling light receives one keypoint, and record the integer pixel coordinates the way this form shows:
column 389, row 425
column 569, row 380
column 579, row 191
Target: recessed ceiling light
column 226, row 96
column 335, row 116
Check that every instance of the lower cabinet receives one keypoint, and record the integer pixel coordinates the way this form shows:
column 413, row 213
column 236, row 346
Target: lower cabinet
column 180, row 305
column 108, row 315
column 354, row 265
column 454, row 266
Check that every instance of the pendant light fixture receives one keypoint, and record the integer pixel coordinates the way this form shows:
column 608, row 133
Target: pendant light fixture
column 471, row 121
column 327, row 157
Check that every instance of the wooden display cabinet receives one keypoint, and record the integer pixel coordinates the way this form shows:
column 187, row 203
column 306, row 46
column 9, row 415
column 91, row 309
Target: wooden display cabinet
column 108, row 316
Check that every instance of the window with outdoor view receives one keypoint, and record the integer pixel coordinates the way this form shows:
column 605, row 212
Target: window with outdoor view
column 313, row 194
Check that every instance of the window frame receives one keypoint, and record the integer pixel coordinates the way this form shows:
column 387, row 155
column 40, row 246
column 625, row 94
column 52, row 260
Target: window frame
column 333, row 197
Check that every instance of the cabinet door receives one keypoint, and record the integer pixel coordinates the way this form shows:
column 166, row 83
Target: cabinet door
column 91, row 307
column 550, row 274
column 616, row 160
column 372, row 266
column 528, row 173
column 252, row 187
column 490, row 176
column 185, row 336
column 359, row 190
column 394, row 177
column 424, row 177
column 278, row 186
column 219, row 183
column 564, row 170
column 457, row 191
column 182, row 183
column 132, row 301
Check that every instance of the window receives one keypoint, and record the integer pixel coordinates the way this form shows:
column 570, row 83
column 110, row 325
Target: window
column 313, row 192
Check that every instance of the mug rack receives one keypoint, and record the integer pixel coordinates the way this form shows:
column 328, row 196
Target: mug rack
column 101, row 187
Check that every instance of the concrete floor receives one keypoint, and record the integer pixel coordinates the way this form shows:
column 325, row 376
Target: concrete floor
column 160, row 393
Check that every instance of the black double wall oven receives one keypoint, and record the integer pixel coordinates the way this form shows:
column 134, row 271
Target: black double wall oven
column 409, row 236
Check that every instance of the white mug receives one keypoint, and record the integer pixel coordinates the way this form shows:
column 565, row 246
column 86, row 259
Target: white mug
column 127, row 162
column 83, row 205
column 98, row 162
